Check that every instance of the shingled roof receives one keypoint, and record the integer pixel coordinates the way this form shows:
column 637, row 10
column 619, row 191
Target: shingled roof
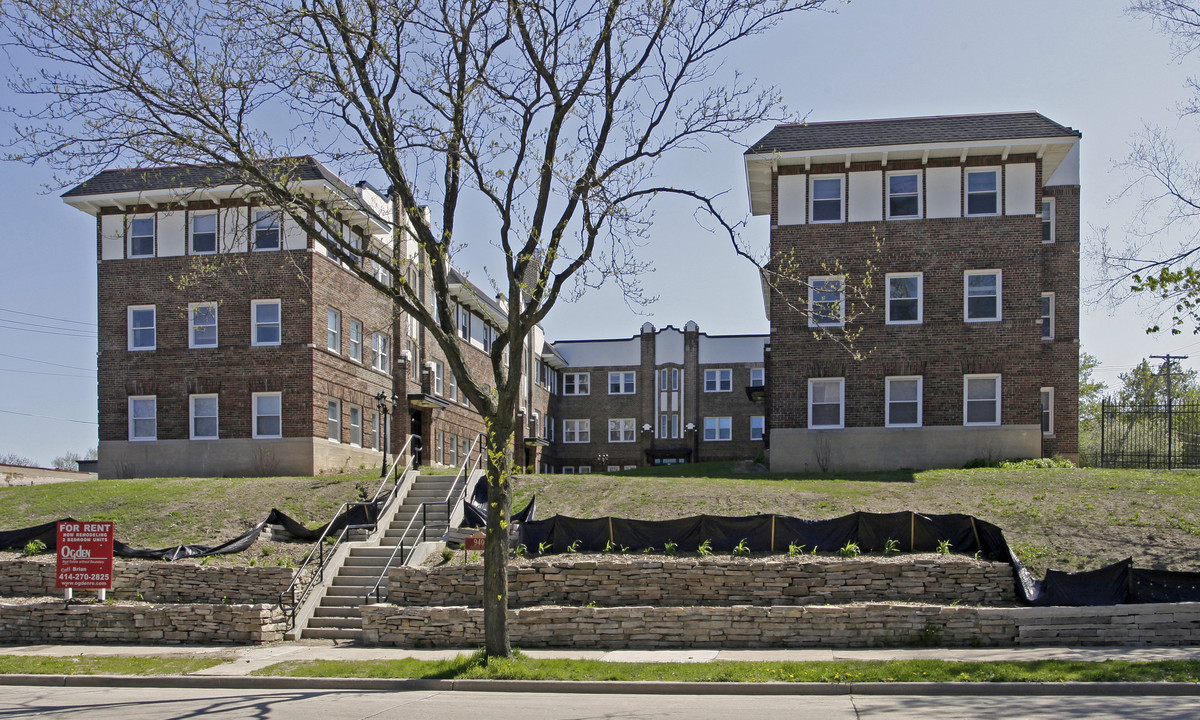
column 111, row 182
column 804, row 137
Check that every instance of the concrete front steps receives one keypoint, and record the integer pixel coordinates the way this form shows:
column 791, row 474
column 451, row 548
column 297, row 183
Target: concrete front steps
column 337, row 616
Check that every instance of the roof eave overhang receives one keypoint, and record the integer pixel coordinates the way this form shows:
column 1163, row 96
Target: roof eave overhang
column 468, row 296
column 759, row 166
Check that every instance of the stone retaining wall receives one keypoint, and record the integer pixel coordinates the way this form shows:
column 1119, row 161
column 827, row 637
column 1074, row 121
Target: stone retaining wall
column 159, row 582
column 867, row 625
column 141, row 624
column 716, row 582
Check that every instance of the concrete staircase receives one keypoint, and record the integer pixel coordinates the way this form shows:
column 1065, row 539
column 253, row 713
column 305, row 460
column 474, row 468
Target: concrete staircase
column 336, row 616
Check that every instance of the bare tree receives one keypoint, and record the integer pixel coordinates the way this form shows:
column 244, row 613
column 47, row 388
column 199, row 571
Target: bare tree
column 556, row 114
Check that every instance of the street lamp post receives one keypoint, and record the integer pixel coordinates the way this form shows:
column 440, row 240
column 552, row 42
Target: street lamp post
column 381, row 403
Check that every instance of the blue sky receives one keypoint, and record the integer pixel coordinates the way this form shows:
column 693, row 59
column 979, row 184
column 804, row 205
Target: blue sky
column 1082, row 63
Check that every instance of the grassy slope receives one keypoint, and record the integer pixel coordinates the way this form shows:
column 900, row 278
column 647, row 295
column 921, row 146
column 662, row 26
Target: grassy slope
column 1071, row 520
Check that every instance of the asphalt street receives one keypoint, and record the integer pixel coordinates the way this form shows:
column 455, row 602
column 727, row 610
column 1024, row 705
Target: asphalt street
column 156, row 704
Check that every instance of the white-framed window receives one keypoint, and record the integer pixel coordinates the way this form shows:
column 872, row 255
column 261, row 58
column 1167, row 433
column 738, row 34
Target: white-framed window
column 826, row 402
column 567, row 470
column 584, row 469
column 982, row 294
column 356, row 429
column 143, row 417
column 577, row 431
column 451, row 450
column 463, row 317
column 335, row 420
column 718, row 380
column 375, row 428
column 141, row 236
column 668, row 425
column 613, row 468
column 827, row 193
column 1047, row 394
column 266, row 230
column 202, row 325
column 576, row 383
column 439, row 377
column 757, row 425
column 718, row 429
column 758, row 377
column 905, row 298
column 1048, row 220
column 1048, row 316
column 904, row 195
column 903, row 400
column 826, row 301
column 629, row 467
column 333, row 330
column 356, row 340
column 142, row 322
column 203, row 413
column 983, row 191
column 668, row 379
column 622, row 430
column 203, row 229
column 453, row 392
column 380, row 351
column 265, row 322
column 268, row 415
column 621, row 383
column 549, row 428
column 981, row 399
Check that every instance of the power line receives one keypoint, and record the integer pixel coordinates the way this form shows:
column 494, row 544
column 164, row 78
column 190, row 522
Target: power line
column 47, row 362
column 48, row 317
column 53, row 374
column 46, row 327
column 48, row 417
column 49, row 332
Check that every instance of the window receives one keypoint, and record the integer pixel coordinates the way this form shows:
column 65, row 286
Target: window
column 577, row 431
column 141, row 236
column 576, row 383
column 451, row 450
column 668, row 379
column 264, row 315
column 375, row 430
column 612, row 468
column 905, row 305
column 758, row 377
column 826, row 304
column 825, row 402
column 981, row 289
column 204, row 233
column 585, row 468
column 143, row 417
column 718, row 380
column 335, row 420
column 333, row 331
column 622, row 430
column 380, row 343
column 1047, row 316
column 983, row 192
column 757, row 423
column 718, row 428
column 141, row 321
column 826, row 199
column 356, row 434
column 981, row 404
column 464, row 323
column 203, row 411
column 202, row 328
column 356, row 339
column 439, row 377
column 1048, row 219
column 453, row 394
column 620, row 383
column 568, row 470
column 266, row 230
column 549, row 428
column 904, row 195
column 1047, row 411
column 268, row 415
column 440, row 447
column 464, row 449
column 903, row 401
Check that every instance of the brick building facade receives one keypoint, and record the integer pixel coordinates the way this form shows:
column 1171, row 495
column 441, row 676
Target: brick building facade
column 948, row 247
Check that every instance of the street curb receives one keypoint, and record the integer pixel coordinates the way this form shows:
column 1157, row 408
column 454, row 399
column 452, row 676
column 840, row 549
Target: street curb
column 242, row 682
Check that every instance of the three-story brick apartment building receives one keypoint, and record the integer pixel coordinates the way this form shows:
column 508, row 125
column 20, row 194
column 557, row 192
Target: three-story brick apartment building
column 969, row 317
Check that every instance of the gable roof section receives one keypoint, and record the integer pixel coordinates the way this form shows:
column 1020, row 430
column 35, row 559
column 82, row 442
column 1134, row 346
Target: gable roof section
column 803, row 137
column 109, row 182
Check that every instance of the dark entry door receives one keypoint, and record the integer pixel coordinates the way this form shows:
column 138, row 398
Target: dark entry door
column 416, row 429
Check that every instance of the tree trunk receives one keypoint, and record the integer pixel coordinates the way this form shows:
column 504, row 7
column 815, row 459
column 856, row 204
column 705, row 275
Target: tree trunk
column 495, row 553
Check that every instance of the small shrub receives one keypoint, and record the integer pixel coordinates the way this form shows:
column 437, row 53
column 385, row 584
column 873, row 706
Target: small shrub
column 670, row 548
column 573, row 547
column 545, row 547
column 980, row 463
column 520, row 550
column 285, row 562
column 741, row 549
column 447, row 555
column 648, row 549
column 1038, row 463
column 795, row 550
column 891, row 547
column 943, row 547
column 849, row 550
column 704, row 549
column 34, row 547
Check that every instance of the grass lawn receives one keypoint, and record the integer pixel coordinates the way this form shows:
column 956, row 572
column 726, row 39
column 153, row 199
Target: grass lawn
column 523, row 668
column 92, row 665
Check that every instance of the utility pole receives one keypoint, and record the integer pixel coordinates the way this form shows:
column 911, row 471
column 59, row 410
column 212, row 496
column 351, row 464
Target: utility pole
column 1167, row 360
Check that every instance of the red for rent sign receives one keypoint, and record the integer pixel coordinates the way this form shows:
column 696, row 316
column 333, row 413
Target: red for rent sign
column 85, row 555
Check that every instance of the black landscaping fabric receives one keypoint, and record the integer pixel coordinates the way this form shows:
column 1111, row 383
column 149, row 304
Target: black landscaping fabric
column 475, row 509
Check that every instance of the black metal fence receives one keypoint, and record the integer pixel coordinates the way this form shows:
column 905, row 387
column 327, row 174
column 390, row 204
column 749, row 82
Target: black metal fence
column 1163, row 436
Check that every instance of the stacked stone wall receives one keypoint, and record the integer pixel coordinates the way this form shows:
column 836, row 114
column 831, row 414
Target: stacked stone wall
column 159, row 582
column 205, row 624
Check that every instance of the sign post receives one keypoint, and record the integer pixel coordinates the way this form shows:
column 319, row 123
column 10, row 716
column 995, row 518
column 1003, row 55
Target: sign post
column 84, row 552
column 473, row 543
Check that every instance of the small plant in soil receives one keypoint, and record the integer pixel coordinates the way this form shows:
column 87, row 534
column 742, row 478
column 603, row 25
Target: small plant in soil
column 34, row 547
column 849, row 550
column 943, row 547
column 573, row 547
column 545, row 547
column 741, row 549
column 520, row 550
column 670, row 548
column 795, row 550
column 704, row 549
column 891, row 547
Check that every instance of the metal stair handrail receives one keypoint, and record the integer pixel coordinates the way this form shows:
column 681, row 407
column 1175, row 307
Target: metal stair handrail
column 451, row 498
column 291, row 598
